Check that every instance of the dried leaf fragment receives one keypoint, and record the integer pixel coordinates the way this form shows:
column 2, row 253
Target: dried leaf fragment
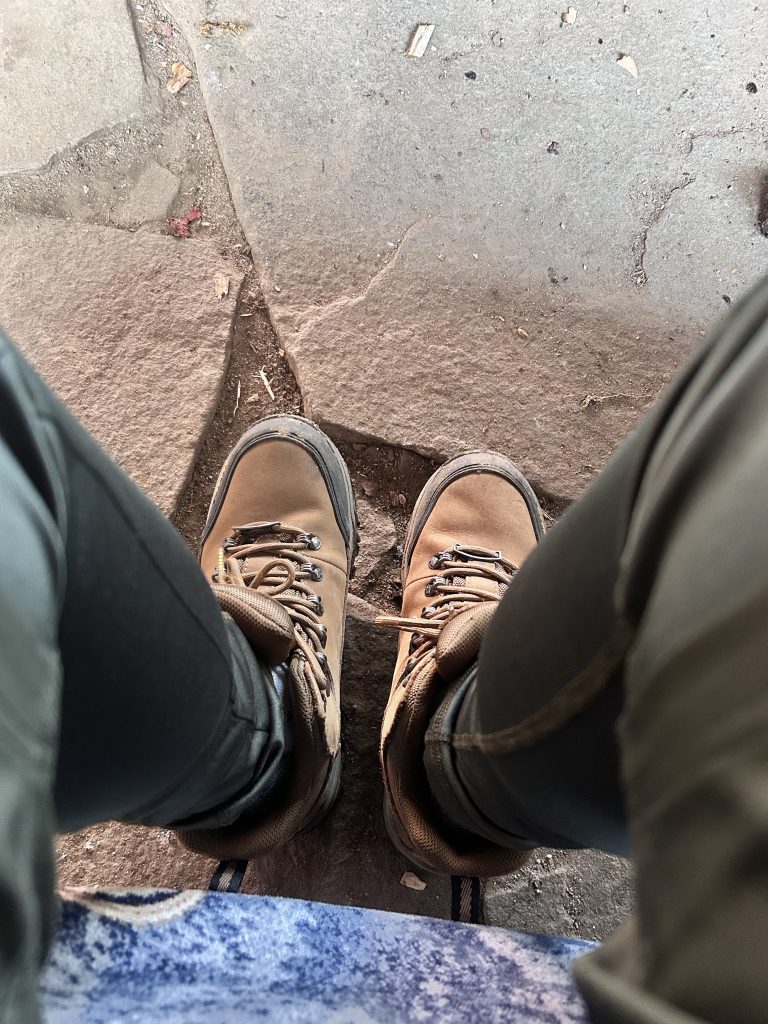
column 419, row 39
column 180, row 76
column 522, row 332
column 411, row 881
column 220, row 285
column 627, row 62
column 569, row 17
column 180, row 225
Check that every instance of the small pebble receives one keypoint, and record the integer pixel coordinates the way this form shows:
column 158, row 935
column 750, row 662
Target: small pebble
column 554, row 148
column 727, row 300
column 751, row 88
column 412, row 881
column 471, row 75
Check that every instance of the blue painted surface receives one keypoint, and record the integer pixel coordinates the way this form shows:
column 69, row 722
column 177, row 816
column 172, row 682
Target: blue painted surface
column 163, row 957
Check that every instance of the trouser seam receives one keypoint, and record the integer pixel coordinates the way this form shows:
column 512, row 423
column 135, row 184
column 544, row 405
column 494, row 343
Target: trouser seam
column 571, row 699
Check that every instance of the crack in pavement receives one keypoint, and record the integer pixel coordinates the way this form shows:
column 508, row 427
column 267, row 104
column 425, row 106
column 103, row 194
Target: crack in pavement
column 316, row 314
column 640, row 246
column 693, row 137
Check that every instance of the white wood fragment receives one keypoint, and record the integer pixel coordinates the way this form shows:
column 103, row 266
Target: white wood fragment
column 411, row 881
column 628, row 64
column 267, row 383
column 419, row 40
column 220, row 285
column 569, row 16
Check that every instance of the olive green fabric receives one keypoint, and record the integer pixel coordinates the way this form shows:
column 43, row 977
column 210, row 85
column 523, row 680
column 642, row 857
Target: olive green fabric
column 636, row 638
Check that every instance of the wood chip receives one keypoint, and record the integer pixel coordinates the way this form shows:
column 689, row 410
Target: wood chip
column 267, row 383
column 628, row 64
column 419, row 40
column 180, row 76
column 220, row 285
column 251, row 399
column 237, row 400
column 522, row 332
column 370, row 487
column 411, row 881
column 569, row 16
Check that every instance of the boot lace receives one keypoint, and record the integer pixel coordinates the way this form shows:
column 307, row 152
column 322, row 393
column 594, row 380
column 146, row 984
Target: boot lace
column 286, row 578
column 453, row 591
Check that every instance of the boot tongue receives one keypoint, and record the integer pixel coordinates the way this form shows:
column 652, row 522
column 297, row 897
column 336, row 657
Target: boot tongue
column 459, row 642
column 264, row 622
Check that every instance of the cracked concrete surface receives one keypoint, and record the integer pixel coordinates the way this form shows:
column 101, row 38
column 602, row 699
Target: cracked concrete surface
column 640, row 246
column 334, row 142
column 60, row 81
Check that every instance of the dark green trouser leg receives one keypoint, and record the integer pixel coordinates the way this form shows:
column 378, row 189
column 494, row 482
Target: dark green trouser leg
column 621, row 699
column 123, row 691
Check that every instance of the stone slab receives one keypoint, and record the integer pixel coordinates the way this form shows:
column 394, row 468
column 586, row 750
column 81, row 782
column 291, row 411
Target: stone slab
column 127, row 329
column 510, row 242
column 68, row 69
column 378, row 539
column 151, row 196
column 577, row 893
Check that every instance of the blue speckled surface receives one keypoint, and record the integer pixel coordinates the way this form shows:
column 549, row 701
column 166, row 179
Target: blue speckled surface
column 218, row 958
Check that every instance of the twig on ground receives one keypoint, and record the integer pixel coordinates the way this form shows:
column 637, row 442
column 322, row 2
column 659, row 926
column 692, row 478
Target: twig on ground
column 267, row 383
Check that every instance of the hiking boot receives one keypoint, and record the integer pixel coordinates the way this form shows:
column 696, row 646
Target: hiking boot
column 278, row 548
column 474, row 523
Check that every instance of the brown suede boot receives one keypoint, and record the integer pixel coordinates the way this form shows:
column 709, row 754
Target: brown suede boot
column 473, row 524
column 278, row 548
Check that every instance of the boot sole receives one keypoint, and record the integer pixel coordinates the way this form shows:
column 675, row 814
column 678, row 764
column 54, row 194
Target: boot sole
column 461, row 465
column 331, row 464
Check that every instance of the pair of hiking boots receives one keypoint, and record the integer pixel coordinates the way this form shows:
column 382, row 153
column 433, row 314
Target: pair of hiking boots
column 278, row 549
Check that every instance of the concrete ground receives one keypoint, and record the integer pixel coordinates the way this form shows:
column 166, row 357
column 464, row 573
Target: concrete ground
column 511, row 241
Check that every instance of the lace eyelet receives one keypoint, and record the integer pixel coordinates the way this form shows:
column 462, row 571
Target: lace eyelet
column 316, row 603
column 438, row 561
column 322, row 631
column 313, row 571
column 415, row 641
column 431, row 588
column 428, row 611
column 310, row 540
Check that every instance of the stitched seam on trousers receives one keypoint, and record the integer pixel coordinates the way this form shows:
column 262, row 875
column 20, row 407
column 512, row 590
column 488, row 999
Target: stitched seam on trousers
column 577, row 694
